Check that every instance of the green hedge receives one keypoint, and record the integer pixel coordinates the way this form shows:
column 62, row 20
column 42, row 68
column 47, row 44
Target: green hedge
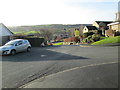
column 91, row 38
column 87, row 34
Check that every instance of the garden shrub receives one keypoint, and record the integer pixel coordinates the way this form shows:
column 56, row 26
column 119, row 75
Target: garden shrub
column 91, row 38
column 100, row 32
column 95, row 37
column 87, row 39
column 87, row 34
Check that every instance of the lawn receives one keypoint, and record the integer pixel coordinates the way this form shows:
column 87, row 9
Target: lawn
column 58, row 43
column 107, row 41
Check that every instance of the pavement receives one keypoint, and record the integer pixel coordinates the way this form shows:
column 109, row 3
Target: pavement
column 24, row 68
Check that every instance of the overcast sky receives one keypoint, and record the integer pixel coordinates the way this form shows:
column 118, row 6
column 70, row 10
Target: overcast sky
column 36, row 12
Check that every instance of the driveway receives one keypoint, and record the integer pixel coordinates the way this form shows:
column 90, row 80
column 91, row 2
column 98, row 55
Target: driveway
column 25, row 67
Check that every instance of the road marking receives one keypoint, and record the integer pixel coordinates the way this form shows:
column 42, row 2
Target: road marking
column 24, row 86
column 43, row 55
column 84, row 46
column 92, row 65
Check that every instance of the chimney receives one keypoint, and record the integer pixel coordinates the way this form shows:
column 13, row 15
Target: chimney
column 119, row 6
column 118, row 13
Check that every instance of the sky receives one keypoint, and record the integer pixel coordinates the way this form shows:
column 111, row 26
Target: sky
column 37, row 12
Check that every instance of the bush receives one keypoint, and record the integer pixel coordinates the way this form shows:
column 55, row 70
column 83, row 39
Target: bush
column 87, row 40
column 95, row 37
column 87, row 34
column 91, row 38
column 101, row 38
column 100, row 32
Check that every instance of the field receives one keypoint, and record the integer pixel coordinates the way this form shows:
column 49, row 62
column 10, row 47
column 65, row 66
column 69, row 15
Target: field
column 26, row 33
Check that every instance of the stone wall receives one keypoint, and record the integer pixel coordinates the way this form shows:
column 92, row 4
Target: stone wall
column 109, row 33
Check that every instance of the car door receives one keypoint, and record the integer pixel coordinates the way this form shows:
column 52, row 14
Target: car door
column 19, row 46
column 25, row 45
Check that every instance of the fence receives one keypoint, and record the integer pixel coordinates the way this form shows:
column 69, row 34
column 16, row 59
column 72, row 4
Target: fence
column 34, row 41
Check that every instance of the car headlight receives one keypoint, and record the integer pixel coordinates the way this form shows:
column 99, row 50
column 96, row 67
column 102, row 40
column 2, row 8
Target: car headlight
column 5, row 51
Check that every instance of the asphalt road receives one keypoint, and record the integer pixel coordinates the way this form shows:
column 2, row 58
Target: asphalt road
column 25, row 67
column 91, row 76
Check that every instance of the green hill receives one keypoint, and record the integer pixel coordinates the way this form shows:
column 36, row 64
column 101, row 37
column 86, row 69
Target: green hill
column 53, row 27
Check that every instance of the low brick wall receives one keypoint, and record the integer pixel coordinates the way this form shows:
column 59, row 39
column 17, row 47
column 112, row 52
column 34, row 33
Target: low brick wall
column 109, row 33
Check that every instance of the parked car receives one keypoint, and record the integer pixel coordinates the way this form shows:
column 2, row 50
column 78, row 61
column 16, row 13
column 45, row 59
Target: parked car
column 14, row 46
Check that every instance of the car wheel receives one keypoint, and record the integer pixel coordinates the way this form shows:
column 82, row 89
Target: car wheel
column 28, row 49
column 13, row 52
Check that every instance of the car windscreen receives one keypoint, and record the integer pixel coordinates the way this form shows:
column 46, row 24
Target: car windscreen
column 10, row 43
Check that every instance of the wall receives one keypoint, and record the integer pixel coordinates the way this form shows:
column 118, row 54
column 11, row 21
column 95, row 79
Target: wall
column 109, row 33
column 115, row 27
column 4, row 31
column 4, row 39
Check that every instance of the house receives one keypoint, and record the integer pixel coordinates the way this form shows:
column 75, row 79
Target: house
column 114, row 28
column 101, row 24
column 90, row 29
column 115, row 25
column 5, row 34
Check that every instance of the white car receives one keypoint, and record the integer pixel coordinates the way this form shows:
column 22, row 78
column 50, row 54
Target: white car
column 14, row 46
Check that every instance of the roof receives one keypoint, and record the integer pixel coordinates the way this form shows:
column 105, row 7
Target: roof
column 106, row 22
column 91, row 27
column 114, row 23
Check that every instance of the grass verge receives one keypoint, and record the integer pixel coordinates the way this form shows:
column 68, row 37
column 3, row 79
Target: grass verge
column 107, row 41
column 59, row 43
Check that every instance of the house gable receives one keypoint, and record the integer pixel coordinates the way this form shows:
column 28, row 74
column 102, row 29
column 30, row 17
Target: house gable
column 96, row 24
column 85, row 29
column 4, row 31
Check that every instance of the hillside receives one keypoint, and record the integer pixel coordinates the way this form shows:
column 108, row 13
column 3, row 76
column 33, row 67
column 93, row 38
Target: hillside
column 45, row 27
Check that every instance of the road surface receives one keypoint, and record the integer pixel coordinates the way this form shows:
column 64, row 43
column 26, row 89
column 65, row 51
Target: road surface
column 25, row 67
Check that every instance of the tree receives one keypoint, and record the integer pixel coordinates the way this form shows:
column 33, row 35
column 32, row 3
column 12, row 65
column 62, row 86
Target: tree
column 103, row 31
column 46, row 34
column 81, row 29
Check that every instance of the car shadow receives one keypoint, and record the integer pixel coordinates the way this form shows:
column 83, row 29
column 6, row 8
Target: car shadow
column 41, row 54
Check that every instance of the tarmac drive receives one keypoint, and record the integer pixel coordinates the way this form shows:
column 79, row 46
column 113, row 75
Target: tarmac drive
column 96, row 76
column 25, row 67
